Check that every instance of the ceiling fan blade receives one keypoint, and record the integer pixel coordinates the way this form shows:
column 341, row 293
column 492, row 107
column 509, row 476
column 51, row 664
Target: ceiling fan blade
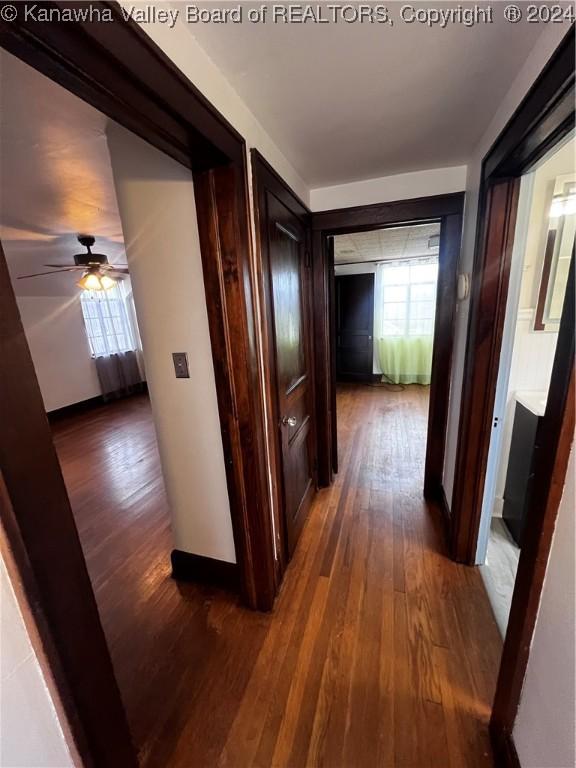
column 115, row 268
column 63, row 266
column 52, row 272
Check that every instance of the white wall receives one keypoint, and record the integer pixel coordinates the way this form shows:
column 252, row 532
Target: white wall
column 545, row 45
column 561, row 163
column 30, row 733
column 157, row 208
column 180, row 46
column 55, row 330
column 402, row 186
column 544, row 730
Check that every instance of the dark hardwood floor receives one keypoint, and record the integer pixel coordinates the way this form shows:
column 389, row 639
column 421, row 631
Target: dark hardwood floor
column 380, row 650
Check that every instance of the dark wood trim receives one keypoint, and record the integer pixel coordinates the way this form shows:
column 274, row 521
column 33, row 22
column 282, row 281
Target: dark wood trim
column 554, row 440
column 367, row 217
column 545, row 116
column 332, row 414
column 49, row 557
column 539, row 324
column 75, row 408
column 261, row 169
column 442, row 502
column 488, row 309
column 204, row 570
column 225, row 251
column 447, row 209
column 450, row 239
column 324, row 355
column 119, row 70
column 88, row 405
column 504, row 749
column 264, row 180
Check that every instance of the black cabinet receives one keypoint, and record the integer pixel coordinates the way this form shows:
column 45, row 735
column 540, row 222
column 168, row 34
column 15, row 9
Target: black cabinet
column 520, row 471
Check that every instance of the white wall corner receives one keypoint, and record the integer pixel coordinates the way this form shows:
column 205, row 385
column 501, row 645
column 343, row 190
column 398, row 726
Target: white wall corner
column 155, row 196
column 400, row 186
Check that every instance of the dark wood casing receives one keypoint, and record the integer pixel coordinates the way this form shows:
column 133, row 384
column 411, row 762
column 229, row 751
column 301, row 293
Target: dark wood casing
column 545, row 117
column 447, row 209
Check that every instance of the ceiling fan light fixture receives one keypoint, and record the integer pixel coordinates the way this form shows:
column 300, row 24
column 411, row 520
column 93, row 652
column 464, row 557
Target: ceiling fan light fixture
column 107, row 282
column 93, row 280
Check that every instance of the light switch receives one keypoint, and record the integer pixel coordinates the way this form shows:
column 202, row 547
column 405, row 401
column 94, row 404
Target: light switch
column 181, row 365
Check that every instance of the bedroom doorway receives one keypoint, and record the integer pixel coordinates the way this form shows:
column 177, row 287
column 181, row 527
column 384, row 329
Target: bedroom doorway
column 385, row 295
column 429, row 231
column 385, row 301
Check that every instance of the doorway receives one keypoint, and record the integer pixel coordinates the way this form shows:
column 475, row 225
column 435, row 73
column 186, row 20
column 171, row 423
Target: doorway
column 543, row 245
column 193, row 135
column 82, row 302
column 435, row 222
column 385, row 295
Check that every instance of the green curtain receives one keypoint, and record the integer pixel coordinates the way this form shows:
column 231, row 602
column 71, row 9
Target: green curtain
column 406, row 360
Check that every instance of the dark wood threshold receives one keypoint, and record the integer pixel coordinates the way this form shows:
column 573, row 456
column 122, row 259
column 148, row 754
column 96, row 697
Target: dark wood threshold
column 205, row 570
column 75, row 409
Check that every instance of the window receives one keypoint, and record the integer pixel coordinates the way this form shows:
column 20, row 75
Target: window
column 407, row 298
column 106, row 321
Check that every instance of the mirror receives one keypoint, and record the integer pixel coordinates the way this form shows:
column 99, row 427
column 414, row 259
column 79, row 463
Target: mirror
column 557, row 255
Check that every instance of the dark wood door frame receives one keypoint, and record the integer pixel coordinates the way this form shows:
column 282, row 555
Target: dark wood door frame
column 446, row 209
column 554, row 440
column 545, row 117
column 265, row 180
column 118, row 69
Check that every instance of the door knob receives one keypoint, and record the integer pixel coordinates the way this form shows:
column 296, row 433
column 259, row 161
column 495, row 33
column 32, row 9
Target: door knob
column 289, row 421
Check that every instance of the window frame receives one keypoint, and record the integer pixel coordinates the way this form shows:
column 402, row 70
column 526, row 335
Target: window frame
column 106, row 342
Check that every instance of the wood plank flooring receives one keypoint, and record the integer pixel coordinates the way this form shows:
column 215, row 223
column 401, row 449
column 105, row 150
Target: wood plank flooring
column 380, row 650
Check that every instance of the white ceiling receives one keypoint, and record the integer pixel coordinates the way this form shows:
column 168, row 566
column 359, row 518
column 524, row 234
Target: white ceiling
column 353, row 101
column 55, row 180
column 382, row 244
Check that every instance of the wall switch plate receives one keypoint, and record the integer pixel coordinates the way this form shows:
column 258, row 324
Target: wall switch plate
column 181, row 365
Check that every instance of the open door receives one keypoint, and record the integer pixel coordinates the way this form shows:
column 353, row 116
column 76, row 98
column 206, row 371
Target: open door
column 287, row 297
column 290, row 278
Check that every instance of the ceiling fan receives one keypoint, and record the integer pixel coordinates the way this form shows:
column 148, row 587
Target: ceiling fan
column 98, row 274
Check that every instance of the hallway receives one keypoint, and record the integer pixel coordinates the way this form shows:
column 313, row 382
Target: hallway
column 380, row 651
